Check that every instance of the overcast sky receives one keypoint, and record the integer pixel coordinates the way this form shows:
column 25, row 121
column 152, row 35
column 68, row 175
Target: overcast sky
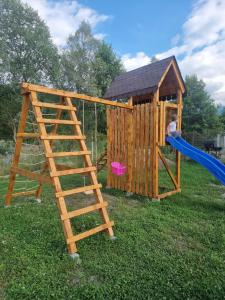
column 193, row 31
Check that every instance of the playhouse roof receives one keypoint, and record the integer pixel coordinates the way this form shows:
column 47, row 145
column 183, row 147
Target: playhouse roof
column 143, row 80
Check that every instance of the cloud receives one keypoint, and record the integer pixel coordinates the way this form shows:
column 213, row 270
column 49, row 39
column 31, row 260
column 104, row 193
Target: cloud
column 64, row 17
column 139, row 60
column 201, row 48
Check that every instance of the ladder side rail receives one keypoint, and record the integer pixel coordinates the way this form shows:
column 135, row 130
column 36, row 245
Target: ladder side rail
column 88, row 163
column 18, row 146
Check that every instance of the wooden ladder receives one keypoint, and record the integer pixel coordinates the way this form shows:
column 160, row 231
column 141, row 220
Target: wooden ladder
column 56, row 173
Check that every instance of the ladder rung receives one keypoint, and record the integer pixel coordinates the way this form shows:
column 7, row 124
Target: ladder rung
column 28, row 135
column 72, row 171
column 25, row 193
column 51, row 105
column 89, row 232
column 84, row 210
column 78, row 190
column 62, row 154
column 55, row 121
column 63, row 137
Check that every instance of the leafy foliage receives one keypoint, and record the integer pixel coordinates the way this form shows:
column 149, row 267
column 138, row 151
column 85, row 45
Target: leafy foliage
column 199, row 113
column 27, row 53
column 89, row 66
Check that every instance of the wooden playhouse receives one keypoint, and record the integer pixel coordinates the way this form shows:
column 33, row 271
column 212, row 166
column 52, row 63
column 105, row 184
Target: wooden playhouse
column 136, row 137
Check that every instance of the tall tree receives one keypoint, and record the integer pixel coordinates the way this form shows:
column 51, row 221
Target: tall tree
column 106, row 67
column 77, row 60
column 89, row 65
column 27, row 52
column 200, row 112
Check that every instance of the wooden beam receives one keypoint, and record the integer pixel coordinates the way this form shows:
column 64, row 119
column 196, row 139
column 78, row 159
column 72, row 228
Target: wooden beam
column 171, row 105
column 26, row 193
column 178, row 78
column 32, row 175
column 63, row 154
column 28, row 135
column 172, row 64
column 168, row 169
column 55, row 121
column 90, row 232
column 28, row 87
column 170, row 193
column 62, row 137
column 78, row 190
column 55, row 106
column 84, row 210
column 72, row 171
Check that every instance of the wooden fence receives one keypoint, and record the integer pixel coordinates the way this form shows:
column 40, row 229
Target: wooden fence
column 129, row 142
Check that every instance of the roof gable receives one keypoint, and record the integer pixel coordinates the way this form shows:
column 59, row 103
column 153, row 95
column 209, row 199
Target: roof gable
column 140, row 81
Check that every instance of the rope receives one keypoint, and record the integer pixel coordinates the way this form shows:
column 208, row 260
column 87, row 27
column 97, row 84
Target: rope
column 83, row 129
column 96, row 133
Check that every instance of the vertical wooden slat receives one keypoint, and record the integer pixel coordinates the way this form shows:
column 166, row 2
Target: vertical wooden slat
column 150, row 148
column 146, row 149
column 119, row 178
column 134, row 171
column 130, row 150
column 109, row 141
column 142, row 146
column 117, row 145
column 123, row 148
column 114, row 144
column 137, row 149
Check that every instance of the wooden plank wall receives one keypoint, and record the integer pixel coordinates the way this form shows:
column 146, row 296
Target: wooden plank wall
column 129, row 138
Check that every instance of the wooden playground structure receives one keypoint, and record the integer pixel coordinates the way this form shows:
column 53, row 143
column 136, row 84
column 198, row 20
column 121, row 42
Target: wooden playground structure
column 135, row 137
column 135, row 134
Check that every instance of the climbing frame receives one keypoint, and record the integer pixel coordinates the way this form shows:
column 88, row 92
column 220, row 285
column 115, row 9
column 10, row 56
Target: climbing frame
column 56, row 171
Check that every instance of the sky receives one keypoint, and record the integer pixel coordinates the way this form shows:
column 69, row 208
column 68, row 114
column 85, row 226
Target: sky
column 192, row 30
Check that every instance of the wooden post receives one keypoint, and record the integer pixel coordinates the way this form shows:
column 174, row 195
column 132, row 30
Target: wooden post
column 154, row 146
column 109, row 143
column 19, row 141
column 179, row 121
column 130, row 147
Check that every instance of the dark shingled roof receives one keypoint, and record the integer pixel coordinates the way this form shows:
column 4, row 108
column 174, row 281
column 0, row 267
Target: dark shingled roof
column 140, row 81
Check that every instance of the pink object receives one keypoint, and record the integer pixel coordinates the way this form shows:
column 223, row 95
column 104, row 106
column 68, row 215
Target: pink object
column 118, row 169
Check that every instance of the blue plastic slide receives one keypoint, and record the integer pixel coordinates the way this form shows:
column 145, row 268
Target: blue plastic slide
column 212, row 164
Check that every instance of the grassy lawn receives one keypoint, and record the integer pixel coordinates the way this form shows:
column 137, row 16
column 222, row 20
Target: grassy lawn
column 169, row 250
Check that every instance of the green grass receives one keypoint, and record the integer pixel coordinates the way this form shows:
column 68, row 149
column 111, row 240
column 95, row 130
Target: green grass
column 169, row 250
